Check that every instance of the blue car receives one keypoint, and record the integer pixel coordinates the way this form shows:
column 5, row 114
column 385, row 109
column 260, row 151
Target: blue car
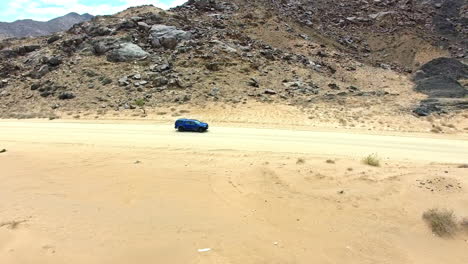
column 190, row 125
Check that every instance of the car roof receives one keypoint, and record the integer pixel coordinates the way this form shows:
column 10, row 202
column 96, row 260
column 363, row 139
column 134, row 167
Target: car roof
column 185, row 119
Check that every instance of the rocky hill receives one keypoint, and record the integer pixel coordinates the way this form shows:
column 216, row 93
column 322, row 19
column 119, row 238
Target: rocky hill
column 31, row 28
column 394, row 32
column 346, row 62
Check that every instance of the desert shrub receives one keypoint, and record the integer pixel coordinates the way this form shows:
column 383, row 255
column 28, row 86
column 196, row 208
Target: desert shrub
column 300, row 161
column 441, row 221
column 329, row 161
column 372, row 160
column 141, row 103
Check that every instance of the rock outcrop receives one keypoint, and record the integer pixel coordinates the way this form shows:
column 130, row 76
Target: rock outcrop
column 167, row 36
column 439, row 79
column 126, row 52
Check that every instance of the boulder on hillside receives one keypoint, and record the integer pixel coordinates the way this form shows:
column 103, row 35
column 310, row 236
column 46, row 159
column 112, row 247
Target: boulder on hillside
column 213, row 66
column 3, row 83
column 127, row 52
column 20, row 51
column 53, row 61
column 441, row 87
column 270, row 91
column 167, row 36
column 96, row 30
column 72, row 44
column 53, row 38
column 447, row 67
column 102, row 46
column 440, row 106
column 123, row 81
column 23, row 50
column 39, row 73
column 143, row 26
column 127, row 24
column 66, row 96
column 253, row 82
column 160, row 81
column 438, row 78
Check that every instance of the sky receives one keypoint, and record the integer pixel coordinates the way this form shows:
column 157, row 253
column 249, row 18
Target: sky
column 43, row 10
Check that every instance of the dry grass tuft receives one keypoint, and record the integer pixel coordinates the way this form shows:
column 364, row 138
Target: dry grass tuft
column 441, row 221
column 300, row 161
column 330, row 161
column 372, row 160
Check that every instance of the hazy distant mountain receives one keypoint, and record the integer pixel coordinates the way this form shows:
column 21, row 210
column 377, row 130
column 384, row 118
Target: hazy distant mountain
column 28, row 27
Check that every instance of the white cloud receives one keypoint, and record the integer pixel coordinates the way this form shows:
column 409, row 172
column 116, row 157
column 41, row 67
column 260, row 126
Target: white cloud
column 59, row 2
column 43, row 10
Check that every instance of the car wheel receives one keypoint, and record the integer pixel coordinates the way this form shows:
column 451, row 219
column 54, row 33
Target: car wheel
column 181, row 129
column 200, row 130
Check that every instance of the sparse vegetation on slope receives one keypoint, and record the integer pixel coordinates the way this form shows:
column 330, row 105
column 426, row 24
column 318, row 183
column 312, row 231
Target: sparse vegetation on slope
column 372, row 160
column 141, row 103
column 441, row 221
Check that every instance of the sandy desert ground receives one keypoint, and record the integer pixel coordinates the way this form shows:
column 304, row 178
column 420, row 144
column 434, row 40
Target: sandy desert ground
column 110, row 192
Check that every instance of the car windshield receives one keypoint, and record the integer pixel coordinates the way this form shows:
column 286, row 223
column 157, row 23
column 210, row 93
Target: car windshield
column 197, row 122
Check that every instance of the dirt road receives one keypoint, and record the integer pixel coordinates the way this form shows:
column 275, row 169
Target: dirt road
column 244, row 139
column 142, row 193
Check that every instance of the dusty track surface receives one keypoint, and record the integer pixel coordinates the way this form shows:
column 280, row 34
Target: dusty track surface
column 126, row 193
column 157, row 136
